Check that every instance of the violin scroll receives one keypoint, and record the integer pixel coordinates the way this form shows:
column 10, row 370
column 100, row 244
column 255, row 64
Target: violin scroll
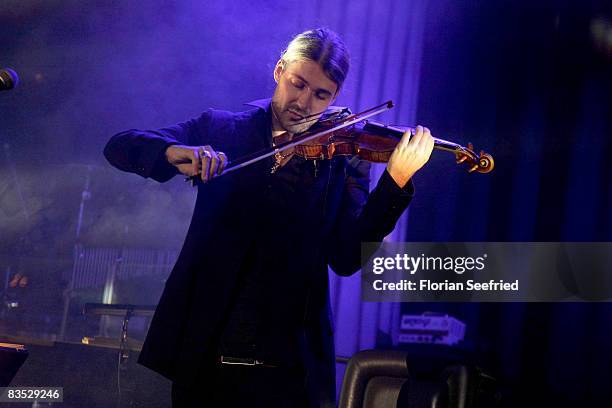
column 481, row 163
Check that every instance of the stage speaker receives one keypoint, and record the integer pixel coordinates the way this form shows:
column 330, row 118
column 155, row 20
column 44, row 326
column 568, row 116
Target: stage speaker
column 92, row 377
column 12, row 357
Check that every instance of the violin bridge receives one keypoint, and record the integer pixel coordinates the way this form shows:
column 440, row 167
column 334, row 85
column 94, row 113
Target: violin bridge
column 331, row 149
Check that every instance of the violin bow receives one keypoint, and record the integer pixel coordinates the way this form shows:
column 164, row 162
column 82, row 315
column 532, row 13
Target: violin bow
column 299, row 139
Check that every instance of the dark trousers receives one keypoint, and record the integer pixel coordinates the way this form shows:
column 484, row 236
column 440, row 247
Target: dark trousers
column 231, row 386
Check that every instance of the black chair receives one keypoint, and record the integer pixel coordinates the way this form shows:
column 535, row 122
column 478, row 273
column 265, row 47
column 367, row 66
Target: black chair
column 381, row 379
column 373, row 378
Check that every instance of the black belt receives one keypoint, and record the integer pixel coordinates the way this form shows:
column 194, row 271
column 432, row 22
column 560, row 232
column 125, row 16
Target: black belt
column 244, row 361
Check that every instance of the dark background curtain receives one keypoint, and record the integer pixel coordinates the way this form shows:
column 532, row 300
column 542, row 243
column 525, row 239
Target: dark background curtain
column 531, row 82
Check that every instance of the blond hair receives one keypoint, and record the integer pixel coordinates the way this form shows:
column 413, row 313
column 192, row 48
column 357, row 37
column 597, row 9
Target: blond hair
column 322, row 46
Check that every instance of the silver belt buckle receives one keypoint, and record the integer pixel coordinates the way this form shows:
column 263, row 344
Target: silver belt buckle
column 239, row 361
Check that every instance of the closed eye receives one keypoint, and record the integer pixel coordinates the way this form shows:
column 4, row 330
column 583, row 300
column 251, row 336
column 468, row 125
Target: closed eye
column 297, row 84
column 323, row 96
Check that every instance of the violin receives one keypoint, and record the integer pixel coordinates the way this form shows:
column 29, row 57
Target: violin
column 341, row 133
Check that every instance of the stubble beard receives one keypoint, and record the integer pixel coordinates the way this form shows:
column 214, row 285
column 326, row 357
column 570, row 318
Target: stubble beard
column 293, row 127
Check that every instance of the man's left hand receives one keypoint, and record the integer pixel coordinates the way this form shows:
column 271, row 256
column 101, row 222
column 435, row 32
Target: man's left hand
column 410, row 154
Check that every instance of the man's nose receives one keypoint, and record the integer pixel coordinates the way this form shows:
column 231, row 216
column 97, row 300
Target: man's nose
column 304, row 100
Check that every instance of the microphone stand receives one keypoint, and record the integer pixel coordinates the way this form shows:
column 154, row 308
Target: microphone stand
column 22, row 242
column 77, row 254
column 7, row 154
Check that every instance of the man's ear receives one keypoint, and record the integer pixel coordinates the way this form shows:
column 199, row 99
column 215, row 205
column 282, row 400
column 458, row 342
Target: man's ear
column 278, row 70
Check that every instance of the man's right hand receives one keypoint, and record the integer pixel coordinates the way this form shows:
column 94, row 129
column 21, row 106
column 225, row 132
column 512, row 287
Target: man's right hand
column 201, row 161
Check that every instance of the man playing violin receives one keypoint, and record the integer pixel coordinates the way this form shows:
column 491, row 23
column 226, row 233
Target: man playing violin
column 244, row 317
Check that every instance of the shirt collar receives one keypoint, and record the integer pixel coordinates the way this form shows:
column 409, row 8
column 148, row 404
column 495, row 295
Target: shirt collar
column 260, row 103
